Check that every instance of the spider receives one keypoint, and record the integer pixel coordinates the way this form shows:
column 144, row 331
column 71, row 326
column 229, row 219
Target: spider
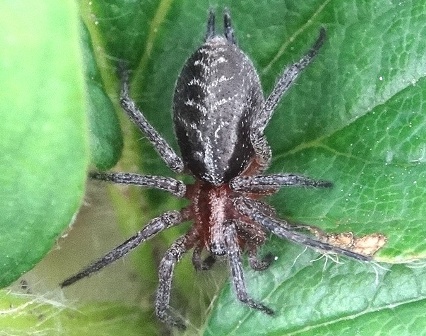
column 219, row 115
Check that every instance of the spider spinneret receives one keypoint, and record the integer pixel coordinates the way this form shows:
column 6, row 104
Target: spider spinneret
column 219, row 115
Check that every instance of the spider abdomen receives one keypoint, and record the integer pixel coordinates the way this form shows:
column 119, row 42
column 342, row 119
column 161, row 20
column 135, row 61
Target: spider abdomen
column 217, row 96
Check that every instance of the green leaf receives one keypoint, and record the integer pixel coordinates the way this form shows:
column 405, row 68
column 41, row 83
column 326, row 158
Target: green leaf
column 366, row 134
column 106, row 141
column 43, row 142
column 354, row 117
column 317, row 296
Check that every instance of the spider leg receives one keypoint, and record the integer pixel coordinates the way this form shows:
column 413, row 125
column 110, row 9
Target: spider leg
column 259, row 264
column 169, row 156
column 228, row 30
column 253, row 237
column 155, row 226
column 210, row 26
column 286, row 80
column 199, row 264
column 235, row 264
column 267, row 183
column 173, row 186
column 284, row 230
column 283, row 84
column 165, row 274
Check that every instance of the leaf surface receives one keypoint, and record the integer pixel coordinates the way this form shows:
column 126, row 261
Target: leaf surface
column 354, row 117
column 43, row 133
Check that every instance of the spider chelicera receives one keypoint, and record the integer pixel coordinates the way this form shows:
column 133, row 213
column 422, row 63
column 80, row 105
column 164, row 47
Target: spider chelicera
column 219, row 115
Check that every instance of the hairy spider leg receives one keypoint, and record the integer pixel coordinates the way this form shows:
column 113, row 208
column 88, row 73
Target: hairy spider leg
column 169, row 156
column 156, row 225
column 236, row 266
column 282, row 229
column 254, row 238
column 165, row 274
column 284, row 82
column 268, row 183
column 173, row 186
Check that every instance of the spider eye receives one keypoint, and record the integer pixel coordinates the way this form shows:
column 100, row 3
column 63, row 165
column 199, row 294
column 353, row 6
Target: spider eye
column 217, row 248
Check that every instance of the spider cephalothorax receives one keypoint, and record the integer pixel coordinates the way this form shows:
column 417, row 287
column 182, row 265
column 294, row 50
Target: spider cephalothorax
column 219, row 114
